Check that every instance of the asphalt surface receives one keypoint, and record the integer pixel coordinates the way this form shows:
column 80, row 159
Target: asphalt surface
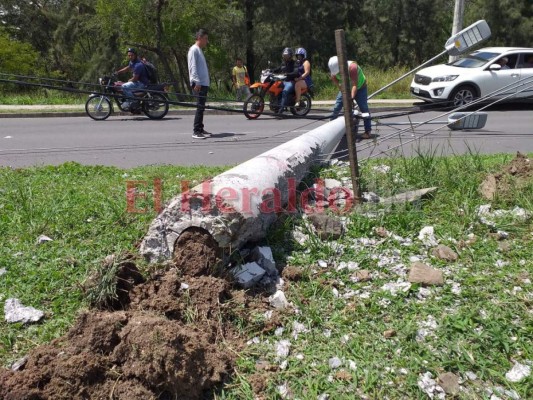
column 128, row 141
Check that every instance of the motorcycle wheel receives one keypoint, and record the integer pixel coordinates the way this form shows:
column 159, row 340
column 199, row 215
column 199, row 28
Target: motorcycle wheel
column 155, row 107
column 253, row 106
column 98, row 107
column 304, row 107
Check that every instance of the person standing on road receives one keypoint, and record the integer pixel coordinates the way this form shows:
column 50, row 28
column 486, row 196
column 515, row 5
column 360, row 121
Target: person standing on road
column 241, row 80
column 358, row 91
column 138, row 81
column 199, row 80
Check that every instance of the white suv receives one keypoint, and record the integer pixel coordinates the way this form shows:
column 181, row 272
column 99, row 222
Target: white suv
column 477, row 75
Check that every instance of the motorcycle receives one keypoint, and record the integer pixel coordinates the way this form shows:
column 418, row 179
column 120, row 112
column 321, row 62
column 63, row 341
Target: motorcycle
column 152, row 101
column 272, row 85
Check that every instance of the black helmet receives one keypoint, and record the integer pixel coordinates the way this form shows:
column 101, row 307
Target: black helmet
column 287, row 51
column 132, row 50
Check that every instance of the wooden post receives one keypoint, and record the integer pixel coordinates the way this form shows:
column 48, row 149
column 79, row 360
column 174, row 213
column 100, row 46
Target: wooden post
column 348, row 112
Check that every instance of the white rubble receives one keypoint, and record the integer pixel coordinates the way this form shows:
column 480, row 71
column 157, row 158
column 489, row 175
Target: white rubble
column 278, row 300
column 518, row 373
column 15, row 312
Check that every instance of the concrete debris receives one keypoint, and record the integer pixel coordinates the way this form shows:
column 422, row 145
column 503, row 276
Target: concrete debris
column 248, row 274
column 427, row 236
column 3, row 271
column 408, row 197
column 284, row 391
column 278, row 300
column 43, row 239
column 425, row 275
column 14, row 311
column 396, row 287
column 282, row 349
column 428, row 385
column 426, row 328
column 19, row 364
column 510, row 394
column 335, row 362
column 443, row 252
column 264, row 257
column 300, row 237
column 383, row 169
column 298, row 328
column 518, row 373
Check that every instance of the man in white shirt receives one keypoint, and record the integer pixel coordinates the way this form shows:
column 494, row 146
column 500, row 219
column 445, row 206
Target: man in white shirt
column 199, row 79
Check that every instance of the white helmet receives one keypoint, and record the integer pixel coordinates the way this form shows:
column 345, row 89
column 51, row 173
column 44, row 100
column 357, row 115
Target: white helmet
column 333, row 65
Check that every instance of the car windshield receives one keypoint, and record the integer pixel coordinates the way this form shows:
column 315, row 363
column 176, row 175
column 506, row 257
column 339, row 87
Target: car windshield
column 474, row 60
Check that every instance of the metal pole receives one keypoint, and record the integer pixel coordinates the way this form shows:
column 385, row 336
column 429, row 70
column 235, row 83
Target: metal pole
column 457, row 21
column 407, row 74
column 348, row 111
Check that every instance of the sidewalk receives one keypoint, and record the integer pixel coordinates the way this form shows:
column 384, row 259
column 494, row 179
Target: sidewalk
column 78, row 110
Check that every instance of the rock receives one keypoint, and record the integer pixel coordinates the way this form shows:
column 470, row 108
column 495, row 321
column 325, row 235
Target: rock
column 449, row 382
column 264, row 257
column 278, row 300
column 421, row 273
column 444, row 253
column 15, row 312
column 389, row 333
column 363, row 275
column 518, row 373
column 327, row 226
column 248, row 274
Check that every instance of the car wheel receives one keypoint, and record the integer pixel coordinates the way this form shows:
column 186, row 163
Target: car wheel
column 462, row 95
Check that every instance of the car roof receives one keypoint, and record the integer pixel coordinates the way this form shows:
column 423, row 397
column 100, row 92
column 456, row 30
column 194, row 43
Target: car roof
column 504, row 49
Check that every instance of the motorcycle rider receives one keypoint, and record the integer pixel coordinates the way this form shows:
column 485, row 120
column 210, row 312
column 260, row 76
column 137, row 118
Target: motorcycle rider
column 290, row 69
column 304, row 69
column 138, row 81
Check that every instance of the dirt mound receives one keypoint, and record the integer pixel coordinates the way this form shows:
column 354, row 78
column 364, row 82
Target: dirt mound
column 171, row 338
column 514, row 176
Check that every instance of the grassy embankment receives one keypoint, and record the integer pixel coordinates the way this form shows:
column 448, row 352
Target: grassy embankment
column 478, row 322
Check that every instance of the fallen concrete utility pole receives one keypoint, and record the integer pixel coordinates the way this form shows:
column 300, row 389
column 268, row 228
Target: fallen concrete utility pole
column 239, row 205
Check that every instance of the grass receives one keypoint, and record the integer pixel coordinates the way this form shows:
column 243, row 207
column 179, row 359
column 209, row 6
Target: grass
column 324, row 90
column 478, row 322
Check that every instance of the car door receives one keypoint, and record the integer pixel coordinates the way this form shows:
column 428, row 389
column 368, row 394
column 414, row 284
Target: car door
column 503, row 80
column 525, row 67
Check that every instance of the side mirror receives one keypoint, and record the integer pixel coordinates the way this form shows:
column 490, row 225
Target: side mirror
column 495, row 67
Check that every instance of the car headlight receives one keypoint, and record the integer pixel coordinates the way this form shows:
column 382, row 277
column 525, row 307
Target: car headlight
column 445, row 78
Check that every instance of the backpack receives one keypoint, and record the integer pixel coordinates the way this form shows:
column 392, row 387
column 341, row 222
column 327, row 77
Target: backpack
column 151, row 71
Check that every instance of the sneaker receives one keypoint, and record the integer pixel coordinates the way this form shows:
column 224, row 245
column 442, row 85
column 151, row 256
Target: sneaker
column 205, row 133
column 366, row 135
column 198, row 135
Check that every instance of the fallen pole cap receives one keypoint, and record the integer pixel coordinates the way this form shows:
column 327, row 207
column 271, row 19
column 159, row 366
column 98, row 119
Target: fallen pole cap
column 460, row 121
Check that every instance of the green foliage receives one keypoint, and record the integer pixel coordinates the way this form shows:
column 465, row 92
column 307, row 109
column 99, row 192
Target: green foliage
column 17, row 57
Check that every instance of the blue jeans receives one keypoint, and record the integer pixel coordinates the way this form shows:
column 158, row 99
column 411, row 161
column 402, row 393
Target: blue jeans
column 288, row 89
column 198, row 125
column 129, row 87
column 361, row 98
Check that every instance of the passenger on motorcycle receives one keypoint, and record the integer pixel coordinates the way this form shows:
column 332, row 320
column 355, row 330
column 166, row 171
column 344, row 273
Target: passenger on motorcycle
column 138, row 81
column 290, row 69
column 304, row 69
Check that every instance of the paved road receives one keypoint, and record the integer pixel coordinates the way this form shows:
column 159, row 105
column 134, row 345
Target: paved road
column 132, row 141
